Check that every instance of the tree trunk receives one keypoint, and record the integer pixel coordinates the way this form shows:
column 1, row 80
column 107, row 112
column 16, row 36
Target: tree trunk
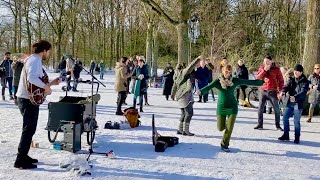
column 311, row 54
column 149, row 42
column 111, row 34
column 155, row 54
column 183, row 42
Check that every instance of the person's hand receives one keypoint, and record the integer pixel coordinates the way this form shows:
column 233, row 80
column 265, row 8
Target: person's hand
column 280, row 95
column 266, row 80
column 56, row 81
column 292, row 99
column 315, row 87
column 47, row 90
column 141, row 76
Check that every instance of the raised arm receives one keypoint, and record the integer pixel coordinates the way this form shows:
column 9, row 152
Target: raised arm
column 190, row 67
column 261, row 73
column 213, row 84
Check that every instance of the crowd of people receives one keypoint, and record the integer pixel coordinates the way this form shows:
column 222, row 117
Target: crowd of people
column 289, row 86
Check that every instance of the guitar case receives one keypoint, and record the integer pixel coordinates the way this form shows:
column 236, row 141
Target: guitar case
column 162, row 142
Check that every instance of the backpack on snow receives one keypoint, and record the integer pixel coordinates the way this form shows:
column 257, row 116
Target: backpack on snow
column 132, row 116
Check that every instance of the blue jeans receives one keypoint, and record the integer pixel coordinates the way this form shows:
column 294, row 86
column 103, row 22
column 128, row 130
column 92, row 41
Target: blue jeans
column 292, row 108
column 101, row 74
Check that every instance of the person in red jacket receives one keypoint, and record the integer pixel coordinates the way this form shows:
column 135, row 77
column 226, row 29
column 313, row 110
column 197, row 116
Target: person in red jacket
column 272, row 76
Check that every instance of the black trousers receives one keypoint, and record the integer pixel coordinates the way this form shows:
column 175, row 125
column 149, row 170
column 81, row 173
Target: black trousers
column 4, row 82
column 30, row 115
column 122, row 95
column 243, row 89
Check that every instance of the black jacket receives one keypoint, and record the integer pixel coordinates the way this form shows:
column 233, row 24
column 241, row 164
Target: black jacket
column 297, row 88
column 242, row 72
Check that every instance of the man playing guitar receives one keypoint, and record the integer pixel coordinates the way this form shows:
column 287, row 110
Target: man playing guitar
column 32, row 79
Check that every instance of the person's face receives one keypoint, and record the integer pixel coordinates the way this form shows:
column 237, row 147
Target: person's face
column 240, row 63
column 137, row 57
column 135, row 62
column 46, row 55
column 267, row 61
column 226, row 73
column 316, row 70
column 168, row 65
column 297, row 74
column 202, row 63
column 7, row 56
column 224, row 62
column 140, row 63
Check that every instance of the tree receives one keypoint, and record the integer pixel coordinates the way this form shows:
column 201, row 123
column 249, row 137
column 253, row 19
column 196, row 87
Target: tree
column 311, row 53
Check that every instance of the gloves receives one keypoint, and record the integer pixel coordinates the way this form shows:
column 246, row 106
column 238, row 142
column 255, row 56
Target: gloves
column 141, row 76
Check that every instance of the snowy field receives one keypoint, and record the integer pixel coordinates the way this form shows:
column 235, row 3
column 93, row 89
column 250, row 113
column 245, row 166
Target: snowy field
column 254, row 154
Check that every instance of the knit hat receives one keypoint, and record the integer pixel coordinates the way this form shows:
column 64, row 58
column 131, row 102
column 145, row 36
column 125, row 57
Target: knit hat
column 298, row 67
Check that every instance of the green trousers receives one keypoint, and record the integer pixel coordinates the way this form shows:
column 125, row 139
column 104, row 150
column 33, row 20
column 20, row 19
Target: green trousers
column 226, row 124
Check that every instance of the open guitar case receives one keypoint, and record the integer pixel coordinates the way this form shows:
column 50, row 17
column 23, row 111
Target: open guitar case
column 162, row 142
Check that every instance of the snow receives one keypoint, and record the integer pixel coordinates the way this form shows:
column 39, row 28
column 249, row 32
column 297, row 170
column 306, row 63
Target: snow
column 254, row 154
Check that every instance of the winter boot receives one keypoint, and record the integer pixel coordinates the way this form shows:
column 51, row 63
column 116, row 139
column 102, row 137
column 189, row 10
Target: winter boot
column 259, row 127
column 269, row 110
column 22, row 162
column 11, row 97
column 200, row 98
column 3, row 98
column 284, row 137
column 141, row 110
column 186, row 130
column 296, row 139
column 180, row 128
column 225, row 148
column 31, row 160
column 310, row 115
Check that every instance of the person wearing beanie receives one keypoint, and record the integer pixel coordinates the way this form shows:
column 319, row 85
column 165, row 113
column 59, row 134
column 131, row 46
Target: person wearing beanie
column 313, row 93
column 297, row 88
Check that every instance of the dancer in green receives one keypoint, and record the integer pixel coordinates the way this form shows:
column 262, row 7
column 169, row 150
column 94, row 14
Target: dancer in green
column 227, row 103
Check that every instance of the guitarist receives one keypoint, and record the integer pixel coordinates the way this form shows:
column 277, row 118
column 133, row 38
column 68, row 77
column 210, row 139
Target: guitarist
column 31, row 74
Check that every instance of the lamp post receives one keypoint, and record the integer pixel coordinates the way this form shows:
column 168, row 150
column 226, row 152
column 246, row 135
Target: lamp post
column 194, row 31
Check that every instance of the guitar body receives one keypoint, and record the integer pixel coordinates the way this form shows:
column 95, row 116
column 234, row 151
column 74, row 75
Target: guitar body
column 36, row 94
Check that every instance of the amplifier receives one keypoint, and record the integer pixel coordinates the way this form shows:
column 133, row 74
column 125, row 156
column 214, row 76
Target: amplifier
column 72, row 137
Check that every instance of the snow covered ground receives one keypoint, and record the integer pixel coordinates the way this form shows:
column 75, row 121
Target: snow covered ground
column 254, row 154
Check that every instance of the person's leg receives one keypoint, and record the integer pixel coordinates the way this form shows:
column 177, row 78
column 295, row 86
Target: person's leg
column 297, row 127
column 200, row 98
column 286, row 115
column 187, row 119
column 205, row 97
column 75, row 84
column 238, row 93
column 221, row 122
column 229, row 127
column 30, row 114
column 119, row 102
column 311, row 110
column 141, row 101
column 275, row 104
column 243, row 88
column 9, row 79
column 3, row 84
column 212, row 93
column 262, row 104
column 146, row 98
column 181, row 120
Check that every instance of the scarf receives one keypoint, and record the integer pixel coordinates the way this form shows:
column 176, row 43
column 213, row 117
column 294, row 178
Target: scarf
column 225, row 82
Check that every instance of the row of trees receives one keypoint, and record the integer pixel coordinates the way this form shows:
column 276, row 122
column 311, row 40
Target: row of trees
column 108, row 29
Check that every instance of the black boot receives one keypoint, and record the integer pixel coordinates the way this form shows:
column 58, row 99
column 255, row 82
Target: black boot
column 31, row 160
column 284, row 137
column 269, row 110
column 167, row 97
column 200, row 98
column 141, row 110
column 296, row 139
column 23, row 163
column 259, row 126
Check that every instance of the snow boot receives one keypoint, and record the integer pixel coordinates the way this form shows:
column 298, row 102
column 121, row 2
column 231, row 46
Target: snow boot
column 225, row 148
column 310, row 115
column 23, row 163
column 186, row 130
column 296, row 139
column 3, row 98
column 259, row 127
column 284, row 137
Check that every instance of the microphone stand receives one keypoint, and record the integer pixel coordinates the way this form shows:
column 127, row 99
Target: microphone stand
column 91, row 120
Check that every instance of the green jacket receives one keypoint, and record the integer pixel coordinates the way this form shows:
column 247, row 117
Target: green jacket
column 182, row 82
column 102, row 66
column 227, row 102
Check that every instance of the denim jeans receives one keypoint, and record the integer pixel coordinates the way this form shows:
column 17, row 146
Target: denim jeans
column 292, row 108
column 101, row 74
column 264, row 96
